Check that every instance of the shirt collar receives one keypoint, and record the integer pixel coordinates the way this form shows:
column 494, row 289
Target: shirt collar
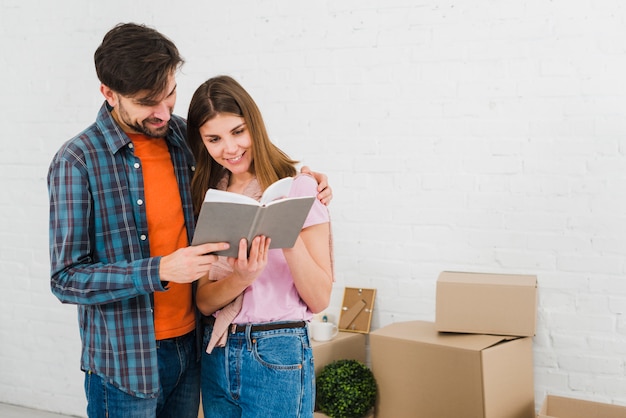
column 117, row 139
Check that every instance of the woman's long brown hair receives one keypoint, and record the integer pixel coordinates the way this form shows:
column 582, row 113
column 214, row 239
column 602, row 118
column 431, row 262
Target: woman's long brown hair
column 223, row 94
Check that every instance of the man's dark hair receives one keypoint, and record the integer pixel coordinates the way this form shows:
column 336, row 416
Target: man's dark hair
column 133, row 57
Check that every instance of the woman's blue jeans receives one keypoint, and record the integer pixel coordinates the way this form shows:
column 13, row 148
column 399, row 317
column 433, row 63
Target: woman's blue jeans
column 259, row 375
column 179, row 397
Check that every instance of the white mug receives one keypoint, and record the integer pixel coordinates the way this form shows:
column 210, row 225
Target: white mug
column 323, row 331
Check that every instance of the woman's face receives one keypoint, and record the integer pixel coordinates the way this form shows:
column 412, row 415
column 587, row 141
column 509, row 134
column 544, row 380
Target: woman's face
column 228, row 141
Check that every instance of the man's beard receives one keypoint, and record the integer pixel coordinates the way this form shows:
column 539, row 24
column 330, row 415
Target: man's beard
column 140, row 127
column 152, row 133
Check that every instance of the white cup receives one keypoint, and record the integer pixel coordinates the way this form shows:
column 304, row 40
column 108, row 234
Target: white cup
column 323, row 331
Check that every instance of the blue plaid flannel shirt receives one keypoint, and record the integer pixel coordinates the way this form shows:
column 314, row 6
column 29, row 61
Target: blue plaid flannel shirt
column 99, row 248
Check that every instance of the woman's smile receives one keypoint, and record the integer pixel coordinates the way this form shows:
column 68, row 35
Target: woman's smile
column 235, row 159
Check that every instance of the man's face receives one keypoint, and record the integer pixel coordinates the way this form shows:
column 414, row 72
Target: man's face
column 136, row 114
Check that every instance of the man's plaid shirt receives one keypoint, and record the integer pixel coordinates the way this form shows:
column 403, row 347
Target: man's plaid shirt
column 99, row 248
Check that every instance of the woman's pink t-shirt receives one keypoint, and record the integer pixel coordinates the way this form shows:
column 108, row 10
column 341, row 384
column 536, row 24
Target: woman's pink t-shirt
column 273, row 296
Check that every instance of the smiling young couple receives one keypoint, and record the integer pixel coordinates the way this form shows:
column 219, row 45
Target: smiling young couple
column 124, row 195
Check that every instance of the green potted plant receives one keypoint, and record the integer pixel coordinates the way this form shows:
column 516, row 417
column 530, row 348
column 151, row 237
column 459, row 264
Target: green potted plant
column 346, row 389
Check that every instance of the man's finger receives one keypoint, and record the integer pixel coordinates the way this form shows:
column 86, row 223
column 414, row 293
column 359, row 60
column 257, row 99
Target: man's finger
column 211, row 247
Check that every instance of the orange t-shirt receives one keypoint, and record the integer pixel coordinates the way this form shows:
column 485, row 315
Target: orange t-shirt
column 173, row 309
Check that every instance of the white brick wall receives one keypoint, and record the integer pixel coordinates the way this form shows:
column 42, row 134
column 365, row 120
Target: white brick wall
column 483, row 136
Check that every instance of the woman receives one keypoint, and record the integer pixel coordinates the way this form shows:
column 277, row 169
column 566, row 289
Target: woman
column 258, row 360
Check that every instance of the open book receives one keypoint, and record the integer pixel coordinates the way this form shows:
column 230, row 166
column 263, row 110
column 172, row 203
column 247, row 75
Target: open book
column 228, row 217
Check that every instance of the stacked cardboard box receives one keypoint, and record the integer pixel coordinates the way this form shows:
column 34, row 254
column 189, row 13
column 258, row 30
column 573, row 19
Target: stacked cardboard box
column 475, row 361
column 479, row 303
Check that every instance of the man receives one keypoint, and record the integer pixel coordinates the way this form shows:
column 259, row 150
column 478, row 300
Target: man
column 121, row 219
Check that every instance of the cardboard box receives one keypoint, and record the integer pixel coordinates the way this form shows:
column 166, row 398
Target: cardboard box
column 345, row 346
column 421, row 373
column 481, row 303
column 560, row 407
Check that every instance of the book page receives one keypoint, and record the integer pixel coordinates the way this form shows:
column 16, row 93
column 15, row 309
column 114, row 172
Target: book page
column 215, row 195
column 277, row 190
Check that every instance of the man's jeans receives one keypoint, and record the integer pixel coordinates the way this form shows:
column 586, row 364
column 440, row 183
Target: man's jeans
column 179, row 375
column 106, row 401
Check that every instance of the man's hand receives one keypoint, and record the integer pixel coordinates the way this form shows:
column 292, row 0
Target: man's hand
column 325, row 193
column 187, row 265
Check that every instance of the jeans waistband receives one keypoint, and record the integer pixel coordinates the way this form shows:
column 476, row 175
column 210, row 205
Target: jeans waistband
column 235, row 328
column 269, row 326
column 179, row 338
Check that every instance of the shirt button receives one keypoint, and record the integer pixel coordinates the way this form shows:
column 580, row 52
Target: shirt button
column 136, row 165
column 139, row 202
column 130, row 145
column 143, row 237
column 193, row 168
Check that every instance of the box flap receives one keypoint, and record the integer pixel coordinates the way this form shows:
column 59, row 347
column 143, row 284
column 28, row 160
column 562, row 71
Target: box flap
column 488, row 278
column 508, row 380
column 426, row 332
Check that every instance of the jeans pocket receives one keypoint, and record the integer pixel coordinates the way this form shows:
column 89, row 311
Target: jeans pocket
column 279, row 351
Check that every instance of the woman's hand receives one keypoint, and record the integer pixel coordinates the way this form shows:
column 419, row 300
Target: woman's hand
column 212, row 295
column 247, row 268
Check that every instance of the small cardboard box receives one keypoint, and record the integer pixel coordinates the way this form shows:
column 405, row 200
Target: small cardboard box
column 561, row 407
column 421, row 373
column 482, row 303
column 345, row 346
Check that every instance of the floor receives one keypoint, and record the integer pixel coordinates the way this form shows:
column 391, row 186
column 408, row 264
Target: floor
column 11, row 411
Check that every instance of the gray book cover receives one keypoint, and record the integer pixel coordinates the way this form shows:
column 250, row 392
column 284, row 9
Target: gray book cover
column 228, row 217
